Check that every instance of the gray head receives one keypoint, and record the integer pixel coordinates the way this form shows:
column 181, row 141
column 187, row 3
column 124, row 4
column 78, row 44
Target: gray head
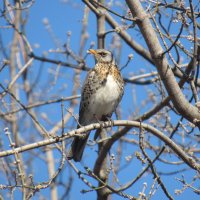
column 102, row 55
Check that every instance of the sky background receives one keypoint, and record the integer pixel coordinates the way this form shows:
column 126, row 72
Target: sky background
column 64, row 17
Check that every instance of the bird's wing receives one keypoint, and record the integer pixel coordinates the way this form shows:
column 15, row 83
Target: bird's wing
column 88, row 88
column 120, row 83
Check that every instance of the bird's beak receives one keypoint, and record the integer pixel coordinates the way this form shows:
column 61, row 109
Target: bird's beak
column 92, row 51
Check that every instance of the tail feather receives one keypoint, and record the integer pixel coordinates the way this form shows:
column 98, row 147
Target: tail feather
column 77, row 148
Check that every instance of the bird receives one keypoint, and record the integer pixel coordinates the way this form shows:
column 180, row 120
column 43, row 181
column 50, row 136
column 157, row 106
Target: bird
column 101, row 93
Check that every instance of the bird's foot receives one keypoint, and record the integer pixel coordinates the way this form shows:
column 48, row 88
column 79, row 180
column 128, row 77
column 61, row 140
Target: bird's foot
column 109, row 119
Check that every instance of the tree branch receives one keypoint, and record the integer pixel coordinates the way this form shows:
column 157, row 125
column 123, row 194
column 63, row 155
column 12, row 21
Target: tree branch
column 190, row 112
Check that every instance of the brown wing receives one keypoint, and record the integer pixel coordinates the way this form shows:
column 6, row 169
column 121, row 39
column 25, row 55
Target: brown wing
column 90, row 85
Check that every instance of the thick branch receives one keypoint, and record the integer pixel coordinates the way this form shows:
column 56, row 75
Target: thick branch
column 181, row 104
column 79, row 133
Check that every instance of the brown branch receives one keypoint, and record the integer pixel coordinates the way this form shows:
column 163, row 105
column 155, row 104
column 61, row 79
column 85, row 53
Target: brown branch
column 35, row 105
column 124, row 35
column 156, row 176
column 79, row 133
column 180, row 102
column 80, row 66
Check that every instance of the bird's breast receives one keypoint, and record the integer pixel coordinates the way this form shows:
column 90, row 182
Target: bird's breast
column 105, row 99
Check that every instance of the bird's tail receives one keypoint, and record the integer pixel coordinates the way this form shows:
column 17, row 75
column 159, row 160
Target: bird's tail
column 77, row 148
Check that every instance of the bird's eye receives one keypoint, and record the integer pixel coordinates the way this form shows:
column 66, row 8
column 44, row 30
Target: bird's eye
column 103, row 54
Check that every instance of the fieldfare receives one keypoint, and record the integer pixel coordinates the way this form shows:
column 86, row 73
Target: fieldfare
column 101, row 93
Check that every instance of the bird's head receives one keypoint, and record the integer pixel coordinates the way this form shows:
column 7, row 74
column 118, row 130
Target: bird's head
column 102, row 55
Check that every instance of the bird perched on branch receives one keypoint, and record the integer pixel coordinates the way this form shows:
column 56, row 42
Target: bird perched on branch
column 101, row 93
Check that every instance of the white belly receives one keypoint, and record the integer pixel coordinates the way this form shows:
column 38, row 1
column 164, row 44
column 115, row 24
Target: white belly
column 105, row 99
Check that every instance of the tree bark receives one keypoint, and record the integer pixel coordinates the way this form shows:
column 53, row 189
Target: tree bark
column 186, row 109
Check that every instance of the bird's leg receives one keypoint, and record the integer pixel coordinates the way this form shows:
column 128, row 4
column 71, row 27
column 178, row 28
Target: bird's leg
column 104, row 118
column 96, row 135
column 109, row 119
column 99, row 121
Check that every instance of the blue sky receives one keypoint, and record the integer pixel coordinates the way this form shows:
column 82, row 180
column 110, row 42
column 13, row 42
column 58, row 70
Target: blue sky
column 64, row 18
